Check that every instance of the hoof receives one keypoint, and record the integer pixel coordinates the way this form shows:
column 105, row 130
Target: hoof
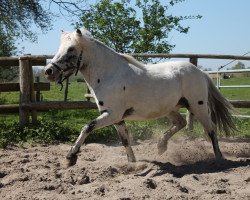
column 71, row 160
column 162, row 146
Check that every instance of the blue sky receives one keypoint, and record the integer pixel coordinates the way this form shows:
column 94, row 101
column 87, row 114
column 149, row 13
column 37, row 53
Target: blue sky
column 223, row 29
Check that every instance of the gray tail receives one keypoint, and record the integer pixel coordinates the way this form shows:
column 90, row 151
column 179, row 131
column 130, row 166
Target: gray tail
column 221, row 109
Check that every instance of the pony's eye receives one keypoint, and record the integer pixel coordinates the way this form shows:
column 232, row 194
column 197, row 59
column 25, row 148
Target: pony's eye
column 70, row 49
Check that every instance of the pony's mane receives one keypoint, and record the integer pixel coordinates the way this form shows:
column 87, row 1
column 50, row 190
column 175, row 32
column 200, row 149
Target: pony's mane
column 133, row 61
column 86, row 33
column 128, row 58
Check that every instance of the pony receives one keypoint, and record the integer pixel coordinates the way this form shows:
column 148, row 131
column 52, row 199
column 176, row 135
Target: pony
column 126, row 89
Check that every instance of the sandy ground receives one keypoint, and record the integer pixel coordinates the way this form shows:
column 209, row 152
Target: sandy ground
column 186, row 171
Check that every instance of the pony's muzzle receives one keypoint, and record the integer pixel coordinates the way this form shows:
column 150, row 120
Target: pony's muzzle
column 49, row 72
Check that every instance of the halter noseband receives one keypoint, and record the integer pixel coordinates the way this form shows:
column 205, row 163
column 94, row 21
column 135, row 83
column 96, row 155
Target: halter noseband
column 62, row 71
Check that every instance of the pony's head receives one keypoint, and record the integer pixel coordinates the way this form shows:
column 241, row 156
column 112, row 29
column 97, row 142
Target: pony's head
column 69, row 58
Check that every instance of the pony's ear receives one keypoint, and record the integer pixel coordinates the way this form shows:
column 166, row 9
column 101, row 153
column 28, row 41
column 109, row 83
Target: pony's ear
column 78, row 31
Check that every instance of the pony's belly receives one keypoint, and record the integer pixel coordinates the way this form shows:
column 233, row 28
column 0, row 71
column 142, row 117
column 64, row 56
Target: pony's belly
column 138, row 115
column 153, row 109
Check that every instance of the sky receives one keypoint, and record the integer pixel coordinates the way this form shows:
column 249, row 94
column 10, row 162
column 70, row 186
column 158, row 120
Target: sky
column 223, row 29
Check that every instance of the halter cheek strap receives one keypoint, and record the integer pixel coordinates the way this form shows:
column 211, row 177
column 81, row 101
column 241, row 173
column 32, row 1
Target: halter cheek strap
column 78, row 64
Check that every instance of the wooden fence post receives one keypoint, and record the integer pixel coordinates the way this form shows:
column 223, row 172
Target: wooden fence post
column 189, row 117
column 27, row 93
column 25, row 88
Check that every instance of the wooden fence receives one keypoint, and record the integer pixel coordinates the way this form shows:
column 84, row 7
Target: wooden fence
column 28, row 106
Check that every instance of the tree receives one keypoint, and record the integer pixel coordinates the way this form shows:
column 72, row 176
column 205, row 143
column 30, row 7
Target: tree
column 7, row 45
column 17, row 18
column 7, row 48
column 118, row 24
column 114, row 23
column 239, row 65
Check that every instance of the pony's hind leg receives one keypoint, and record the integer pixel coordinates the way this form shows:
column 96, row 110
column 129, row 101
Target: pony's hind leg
column 201, row 113
column 178, row 123
column 215, row 143
column 123, row 133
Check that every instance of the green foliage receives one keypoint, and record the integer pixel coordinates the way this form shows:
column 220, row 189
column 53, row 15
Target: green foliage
column 8, row 74
column 76, row 119
column 142, row 130
column 48, row 132
column 16, row 20
column 7, row 48
column 118, row 24
column 243, row 126
column 17, row 17
column 239, row 65
column 114, row 23
column 7, row 44
column 44, row 132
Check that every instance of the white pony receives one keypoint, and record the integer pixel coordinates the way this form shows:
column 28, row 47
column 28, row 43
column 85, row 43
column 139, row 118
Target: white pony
column 125, row 89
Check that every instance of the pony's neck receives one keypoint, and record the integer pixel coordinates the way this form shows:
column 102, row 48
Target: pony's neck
column 102, row 62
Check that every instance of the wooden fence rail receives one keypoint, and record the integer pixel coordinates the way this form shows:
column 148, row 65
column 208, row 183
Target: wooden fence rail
column 27, row 87
column 14, row 61
column 204, row 56
column 12, row 87
column 56, row 105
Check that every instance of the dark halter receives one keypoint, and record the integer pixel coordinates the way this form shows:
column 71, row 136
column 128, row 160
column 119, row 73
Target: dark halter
column 63, row 77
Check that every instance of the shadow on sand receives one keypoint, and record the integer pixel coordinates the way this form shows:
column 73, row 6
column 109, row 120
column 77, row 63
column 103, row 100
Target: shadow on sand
column 201, row 167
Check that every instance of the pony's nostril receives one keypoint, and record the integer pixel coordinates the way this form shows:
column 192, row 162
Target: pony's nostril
column 48, row 72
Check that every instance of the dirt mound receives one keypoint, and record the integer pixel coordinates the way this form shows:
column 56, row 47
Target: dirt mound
column 186, row 171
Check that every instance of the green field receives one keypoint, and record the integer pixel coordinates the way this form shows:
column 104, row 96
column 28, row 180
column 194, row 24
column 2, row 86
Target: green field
column 65, row 125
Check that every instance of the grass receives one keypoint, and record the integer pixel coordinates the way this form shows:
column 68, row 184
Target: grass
column 69, row 122
column 77, row 90
column 236, row 93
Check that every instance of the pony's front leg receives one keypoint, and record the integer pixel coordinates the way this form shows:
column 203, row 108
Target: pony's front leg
column 123, row 133
column 103, row 120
